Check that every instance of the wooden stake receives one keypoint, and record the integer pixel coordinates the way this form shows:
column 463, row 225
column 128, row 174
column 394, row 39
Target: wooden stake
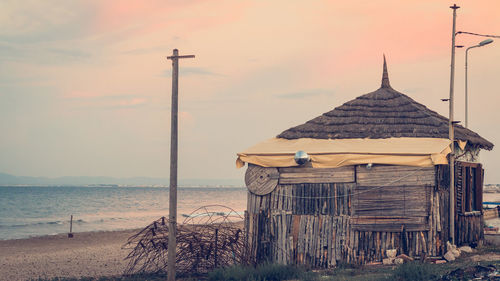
column 172, row 224
column 70, row 234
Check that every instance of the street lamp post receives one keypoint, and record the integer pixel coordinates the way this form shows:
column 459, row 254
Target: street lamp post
column 482, row 43
column 451, row 131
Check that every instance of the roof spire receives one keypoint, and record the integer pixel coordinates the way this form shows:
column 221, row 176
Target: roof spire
column 385, row 76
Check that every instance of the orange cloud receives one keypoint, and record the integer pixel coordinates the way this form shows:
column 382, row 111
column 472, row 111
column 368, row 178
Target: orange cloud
column 405, row 32
column 137, row 17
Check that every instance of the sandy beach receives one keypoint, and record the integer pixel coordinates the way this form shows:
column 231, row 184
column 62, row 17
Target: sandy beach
column 86, row 254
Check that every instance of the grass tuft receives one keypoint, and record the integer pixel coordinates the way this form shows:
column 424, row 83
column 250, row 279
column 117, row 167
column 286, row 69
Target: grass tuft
column 265, row 272
column 414, row 271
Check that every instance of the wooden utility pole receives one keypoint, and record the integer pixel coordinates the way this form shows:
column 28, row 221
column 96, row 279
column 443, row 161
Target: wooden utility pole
column 172, row 216
column 451, row 131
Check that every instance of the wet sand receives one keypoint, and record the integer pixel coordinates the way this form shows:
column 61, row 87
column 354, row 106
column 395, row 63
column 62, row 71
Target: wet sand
column 86, row 254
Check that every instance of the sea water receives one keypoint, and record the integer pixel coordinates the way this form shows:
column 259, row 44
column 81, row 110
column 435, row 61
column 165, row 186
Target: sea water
column 27, row 211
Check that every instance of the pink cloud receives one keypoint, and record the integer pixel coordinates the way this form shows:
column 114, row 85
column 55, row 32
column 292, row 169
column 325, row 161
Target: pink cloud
column 142, row 17
column 404, row 32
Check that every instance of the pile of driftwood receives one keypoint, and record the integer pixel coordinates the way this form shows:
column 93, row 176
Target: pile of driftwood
column 209, row 237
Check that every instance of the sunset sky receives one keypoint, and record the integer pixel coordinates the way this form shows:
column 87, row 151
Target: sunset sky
column 85, row 85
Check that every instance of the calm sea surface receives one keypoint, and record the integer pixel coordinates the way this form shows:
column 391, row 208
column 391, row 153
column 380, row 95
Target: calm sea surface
column 34, row 211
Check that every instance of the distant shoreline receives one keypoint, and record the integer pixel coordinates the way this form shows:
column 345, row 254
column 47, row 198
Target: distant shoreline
column 121, row 186
column 64, row 235
column 8, row 180
column 491, row 188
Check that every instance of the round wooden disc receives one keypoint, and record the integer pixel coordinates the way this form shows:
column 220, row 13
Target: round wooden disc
column 260, row 180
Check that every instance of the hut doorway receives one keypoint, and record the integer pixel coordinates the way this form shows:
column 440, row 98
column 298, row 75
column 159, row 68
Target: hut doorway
column 468, row 202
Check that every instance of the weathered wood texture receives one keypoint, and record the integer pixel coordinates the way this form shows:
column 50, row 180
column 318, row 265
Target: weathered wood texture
column 479, row 186
column 442, row 176
column 260, row 180
column 307, row 224
column 396, row 201
column 443, row 227
column 294, row 175
column 296, row 224
column 323, row 224
column 305, row 199
column 388, row 198
column 259, row 242
column 469, row 218
column 469, row 228
column 469, row 187
column 380, row 175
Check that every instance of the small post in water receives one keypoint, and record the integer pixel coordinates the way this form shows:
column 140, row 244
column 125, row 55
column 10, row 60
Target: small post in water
column 70, row 234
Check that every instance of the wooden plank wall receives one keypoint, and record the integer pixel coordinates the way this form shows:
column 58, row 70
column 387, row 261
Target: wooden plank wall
column 307, row 224
column 469, row 228
column 293, row 175
column 312, row 198
column 392, row 201
column 443, row 227
column 388, row 198
column 395, row 175
column 312, row 223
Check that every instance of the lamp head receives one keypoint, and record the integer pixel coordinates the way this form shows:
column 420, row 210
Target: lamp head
column 301, row 157
column 485, row 42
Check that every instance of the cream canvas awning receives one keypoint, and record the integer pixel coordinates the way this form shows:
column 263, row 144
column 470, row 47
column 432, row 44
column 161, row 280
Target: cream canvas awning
column 327, row 153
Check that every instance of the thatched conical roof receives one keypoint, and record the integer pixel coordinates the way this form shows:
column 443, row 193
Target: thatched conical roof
column 384, row 113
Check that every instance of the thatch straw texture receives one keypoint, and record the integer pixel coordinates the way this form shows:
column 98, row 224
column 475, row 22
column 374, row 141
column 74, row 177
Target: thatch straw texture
column 384, row 113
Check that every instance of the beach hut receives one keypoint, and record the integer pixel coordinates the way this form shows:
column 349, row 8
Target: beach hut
column 377, row 179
